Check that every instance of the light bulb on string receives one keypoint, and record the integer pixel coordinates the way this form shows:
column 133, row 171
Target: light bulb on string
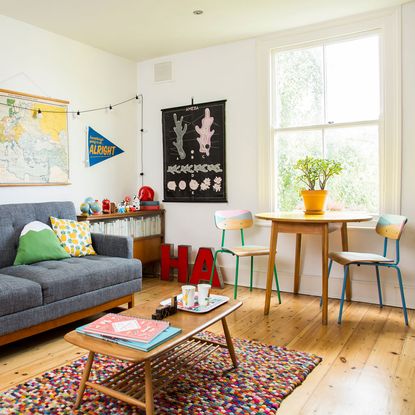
column 39, row 113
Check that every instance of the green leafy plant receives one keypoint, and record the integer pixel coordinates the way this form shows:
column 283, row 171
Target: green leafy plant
column 314, row 171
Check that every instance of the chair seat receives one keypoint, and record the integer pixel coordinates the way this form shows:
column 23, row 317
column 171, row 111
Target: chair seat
column 249, row 250
column 346, row 258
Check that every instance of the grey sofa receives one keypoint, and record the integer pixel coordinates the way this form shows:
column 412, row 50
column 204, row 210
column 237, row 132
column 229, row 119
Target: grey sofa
column 37, row 297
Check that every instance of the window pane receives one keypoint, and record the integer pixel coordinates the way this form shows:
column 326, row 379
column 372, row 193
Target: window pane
column 352, row 73
column 299, row 82
column 290, row 147
column 357, row 187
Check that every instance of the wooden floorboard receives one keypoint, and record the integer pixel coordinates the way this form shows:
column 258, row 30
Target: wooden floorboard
column 368, row 362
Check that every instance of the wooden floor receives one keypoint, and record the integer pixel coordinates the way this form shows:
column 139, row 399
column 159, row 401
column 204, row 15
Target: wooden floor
column 368, row 362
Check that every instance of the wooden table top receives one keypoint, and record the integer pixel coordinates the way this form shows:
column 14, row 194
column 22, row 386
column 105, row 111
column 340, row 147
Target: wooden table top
column 190, row 323
column 298, row 216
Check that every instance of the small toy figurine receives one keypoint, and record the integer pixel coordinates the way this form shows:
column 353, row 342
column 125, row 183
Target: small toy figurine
column 127, row 200
column 136, row 202
column 113, row 208
column 106, row 206
column 121, row 207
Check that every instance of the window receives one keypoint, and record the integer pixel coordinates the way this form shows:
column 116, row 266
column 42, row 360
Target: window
column 327, row 104
column 333, row 90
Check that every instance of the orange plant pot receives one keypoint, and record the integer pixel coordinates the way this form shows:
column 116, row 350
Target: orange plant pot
column 314, row 201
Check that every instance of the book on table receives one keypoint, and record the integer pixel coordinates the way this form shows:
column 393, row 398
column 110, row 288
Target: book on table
column 127, row 327
column 165, row 335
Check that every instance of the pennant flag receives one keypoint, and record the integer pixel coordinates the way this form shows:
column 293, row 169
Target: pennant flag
column 99, row 148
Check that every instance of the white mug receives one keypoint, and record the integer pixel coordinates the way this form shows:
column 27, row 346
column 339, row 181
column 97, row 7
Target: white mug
column 188, row 295
column 203, row 294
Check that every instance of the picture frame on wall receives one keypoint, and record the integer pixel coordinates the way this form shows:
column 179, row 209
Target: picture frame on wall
column 194, row 153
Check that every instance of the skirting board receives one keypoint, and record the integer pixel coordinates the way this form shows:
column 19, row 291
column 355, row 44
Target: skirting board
column 364, row 291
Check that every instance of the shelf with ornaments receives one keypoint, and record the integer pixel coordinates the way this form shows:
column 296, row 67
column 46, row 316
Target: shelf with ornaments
column 146, row 227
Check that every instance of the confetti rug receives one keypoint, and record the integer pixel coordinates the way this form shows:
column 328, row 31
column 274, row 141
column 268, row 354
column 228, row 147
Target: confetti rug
column 265, row 376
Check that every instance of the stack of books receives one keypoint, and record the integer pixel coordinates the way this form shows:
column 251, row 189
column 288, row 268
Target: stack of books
column 150, row 205
column 138, row 333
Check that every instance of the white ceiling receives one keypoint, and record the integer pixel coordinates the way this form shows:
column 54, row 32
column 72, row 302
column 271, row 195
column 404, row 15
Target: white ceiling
column 143, row 29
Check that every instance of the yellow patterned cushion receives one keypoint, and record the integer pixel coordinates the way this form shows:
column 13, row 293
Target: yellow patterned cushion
column 75, row 236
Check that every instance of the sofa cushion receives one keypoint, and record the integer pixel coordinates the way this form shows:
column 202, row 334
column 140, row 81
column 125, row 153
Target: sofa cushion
column 78, row 275
column 14, row 217
column 17, row 294
column 74, row 236
column 38, row 243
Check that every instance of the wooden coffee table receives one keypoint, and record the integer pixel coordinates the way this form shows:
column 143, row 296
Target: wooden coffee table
column 156, row 368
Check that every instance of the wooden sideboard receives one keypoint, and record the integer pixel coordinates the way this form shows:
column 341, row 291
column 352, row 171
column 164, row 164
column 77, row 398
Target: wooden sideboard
column 145, row 226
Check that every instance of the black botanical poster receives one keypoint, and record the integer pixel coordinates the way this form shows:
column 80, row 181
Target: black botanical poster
column 194, row 153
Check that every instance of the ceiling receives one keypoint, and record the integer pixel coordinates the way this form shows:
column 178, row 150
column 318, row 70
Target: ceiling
column 144, row 29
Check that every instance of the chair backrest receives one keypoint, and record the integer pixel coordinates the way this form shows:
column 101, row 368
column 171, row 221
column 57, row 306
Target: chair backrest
column 233, row 219
column 391, row 226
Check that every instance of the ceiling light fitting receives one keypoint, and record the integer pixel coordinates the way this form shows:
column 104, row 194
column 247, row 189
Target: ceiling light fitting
column 197, row 12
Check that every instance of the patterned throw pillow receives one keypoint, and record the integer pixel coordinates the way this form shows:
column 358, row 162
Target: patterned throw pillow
column 37, row 243
column 75, row 236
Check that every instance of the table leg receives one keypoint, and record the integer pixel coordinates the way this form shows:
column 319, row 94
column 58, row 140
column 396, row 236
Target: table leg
column 149, row 388
column 325, row 272
column 271, row 263
column 345, row 247
column 229, row 343
column 297, row 263
column 85, row 377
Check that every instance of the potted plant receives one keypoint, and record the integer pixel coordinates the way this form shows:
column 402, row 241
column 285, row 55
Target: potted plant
column 315, row 172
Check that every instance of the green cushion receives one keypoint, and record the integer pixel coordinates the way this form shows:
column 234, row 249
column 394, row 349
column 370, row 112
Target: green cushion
column 38, row 243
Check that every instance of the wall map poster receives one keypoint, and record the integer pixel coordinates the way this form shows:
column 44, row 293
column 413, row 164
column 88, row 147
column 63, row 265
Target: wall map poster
column 33, row 140
column 194, row 153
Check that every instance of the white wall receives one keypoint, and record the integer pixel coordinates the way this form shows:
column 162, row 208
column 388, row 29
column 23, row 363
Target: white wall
column 229, row 72
column 39, row 62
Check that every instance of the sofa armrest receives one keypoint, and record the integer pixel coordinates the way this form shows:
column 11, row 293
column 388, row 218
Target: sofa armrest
column 112, row 245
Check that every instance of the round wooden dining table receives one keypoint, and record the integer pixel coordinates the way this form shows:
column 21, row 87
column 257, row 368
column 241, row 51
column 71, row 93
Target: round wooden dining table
column 300, row 223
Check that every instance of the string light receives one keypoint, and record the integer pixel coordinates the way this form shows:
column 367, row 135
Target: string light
column 39, row 113
column 76, row 115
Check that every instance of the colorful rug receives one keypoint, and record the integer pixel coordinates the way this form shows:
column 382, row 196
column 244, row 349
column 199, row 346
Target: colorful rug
column 265, row 376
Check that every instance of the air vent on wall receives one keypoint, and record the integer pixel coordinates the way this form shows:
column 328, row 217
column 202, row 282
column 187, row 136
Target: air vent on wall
column 163, row 72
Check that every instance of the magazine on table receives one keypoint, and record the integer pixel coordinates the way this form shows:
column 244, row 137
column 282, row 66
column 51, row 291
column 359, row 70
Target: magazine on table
column 127, row 327
column 144, row 347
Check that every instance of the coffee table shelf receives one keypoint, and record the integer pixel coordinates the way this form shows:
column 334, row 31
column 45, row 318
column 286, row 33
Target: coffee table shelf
column 129, row 384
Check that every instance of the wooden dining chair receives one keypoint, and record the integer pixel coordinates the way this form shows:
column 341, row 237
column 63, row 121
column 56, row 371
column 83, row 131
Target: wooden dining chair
column 231, row 220
column 391, row 228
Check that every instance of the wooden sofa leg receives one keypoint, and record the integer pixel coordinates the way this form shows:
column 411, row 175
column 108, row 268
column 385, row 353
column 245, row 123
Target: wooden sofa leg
column 131, row 303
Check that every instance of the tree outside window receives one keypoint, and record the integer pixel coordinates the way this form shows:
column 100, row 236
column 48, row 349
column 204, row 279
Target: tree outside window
column 327, row 105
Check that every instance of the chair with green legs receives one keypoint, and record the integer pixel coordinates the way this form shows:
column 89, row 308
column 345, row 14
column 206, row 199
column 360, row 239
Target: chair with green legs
column 231, row 220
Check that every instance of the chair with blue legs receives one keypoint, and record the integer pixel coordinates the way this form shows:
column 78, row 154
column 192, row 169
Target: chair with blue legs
column 391, row 228
column 231, row 220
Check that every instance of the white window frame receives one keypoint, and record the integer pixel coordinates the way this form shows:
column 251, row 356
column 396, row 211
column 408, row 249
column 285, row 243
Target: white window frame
column 387, row 24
